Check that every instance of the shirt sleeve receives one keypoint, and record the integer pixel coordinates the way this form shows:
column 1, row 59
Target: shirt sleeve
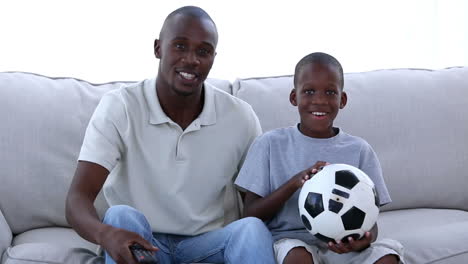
column 254, row 175
column 369, row 163
column 103, row 142
column 254, row 131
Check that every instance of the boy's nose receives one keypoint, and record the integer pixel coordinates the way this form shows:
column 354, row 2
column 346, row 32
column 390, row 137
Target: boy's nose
column 319, row 99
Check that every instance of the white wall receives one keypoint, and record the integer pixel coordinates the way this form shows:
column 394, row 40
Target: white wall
column 106, row 40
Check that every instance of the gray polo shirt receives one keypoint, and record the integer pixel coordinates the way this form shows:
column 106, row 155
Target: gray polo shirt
column 181, row 180
column 280, row 154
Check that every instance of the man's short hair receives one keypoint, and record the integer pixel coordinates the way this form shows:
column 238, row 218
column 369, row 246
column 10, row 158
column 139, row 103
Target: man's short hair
column 320, row 58
column 190, row 11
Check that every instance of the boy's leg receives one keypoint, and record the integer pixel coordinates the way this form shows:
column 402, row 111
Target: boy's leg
column 381, row 250
column 289, row 250
column 298, row 255
column 128, row 218
column 244, row 241
column 388, row 259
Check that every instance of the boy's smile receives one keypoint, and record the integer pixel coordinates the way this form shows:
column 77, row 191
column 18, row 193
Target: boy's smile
column 318, row 95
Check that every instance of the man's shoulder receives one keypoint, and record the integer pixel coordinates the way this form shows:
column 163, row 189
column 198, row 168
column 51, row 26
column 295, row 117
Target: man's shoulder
column 222, row 96
column 122, row 91
column 227, row 104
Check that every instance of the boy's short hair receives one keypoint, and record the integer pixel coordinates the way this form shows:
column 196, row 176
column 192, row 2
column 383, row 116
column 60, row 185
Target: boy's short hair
column 321, row 58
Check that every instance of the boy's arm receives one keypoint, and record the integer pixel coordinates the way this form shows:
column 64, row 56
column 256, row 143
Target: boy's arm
column 266, row 207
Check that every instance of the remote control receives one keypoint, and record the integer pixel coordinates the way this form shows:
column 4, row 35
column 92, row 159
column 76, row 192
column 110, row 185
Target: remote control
column 142, row 255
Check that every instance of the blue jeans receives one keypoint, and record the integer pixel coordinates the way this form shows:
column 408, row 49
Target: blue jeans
column 244, row 241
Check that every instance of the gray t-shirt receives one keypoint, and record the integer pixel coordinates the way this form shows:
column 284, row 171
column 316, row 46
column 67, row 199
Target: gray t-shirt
column 278, row 155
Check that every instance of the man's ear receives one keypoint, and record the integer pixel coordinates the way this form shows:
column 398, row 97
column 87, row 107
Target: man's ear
column 344, row 100
column 157, row 48
column 292, row 97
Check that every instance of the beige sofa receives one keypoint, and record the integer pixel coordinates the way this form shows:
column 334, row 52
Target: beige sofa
column 416, row 120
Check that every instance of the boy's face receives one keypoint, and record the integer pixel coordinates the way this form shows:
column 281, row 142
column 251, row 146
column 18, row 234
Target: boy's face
column 186, row 51
column 318, row 96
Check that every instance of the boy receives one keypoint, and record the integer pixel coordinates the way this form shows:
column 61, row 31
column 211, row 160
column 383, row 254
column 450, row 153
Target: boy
column 270, row 173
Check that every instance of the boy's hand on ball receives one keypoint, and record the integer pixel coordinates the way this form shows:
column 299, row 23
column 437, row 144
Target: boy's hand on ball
column 318, row 166
column 309, row 173
column 352, row 245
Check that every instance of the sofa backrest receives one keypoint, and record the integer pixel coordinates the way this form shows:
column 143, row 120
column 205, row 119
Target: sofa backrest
column 415, row 119
column 43, row 121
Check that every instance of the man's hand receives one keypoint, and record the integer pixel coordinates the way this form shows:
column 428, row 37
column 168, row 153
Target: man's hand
column 308, row 173
column 351, row 245
column 116, row 242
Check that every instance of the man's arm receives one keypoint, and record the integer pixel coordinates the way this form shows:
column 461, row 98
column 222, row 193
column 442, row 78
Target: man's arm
column 80, row 211
column 266, row 207
column 82, row 216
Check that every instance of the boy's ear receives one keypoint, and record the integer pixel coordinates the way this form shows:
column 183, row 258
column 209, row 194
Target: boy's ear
column 292, row 97
column 344, row 100
column 157, row 48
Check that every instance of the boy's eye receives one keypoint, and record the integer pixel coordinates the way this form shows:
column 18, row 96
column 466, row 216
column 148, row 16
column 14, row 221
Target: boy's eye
column 309, row 91
column 331, row 92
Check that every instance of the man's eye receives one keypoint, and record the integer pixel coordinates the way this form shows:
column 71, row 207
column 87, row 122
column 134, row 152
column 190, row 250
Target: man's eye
column 203, row 52
column 179, row 46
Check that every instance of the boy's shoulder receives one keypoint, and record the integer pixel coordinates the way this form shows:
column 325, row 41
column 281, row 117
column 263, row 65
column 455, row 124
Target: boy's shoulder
column 352, row 139
column 278, row 133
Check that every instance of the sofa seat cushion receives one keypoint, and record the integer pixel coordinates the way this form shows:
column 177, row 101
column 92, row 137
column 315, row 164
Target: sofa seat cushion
column 428, row 235
column 36, row 253
column 54, row 235
column 51, row 245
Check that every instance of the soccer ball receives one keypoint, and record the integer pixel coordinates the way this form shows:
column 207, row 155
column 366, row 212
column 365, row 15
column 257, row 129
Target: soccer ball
column 338, row 202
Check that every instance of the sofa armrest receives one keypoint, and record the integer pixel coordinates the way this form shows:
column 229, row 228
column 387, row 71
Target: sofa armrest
column 5, row 235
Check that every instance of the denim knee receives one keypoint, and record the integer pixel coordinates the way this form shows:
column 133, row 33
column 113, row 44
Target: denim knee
column 124, row 216
column 253, row 226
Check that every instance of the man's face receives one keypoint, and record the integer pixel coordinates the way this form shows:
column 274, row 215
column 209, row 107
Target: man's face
column 318, row 95
column 186, row 50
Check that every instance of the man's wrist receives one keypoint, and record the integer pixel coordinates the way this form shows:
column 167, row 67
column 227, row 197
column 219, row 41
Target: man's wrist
column 100, row 234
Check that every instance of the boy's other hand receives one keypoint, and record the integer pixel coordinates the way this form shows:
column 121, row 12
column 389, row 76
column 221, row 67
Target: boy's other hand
column 318, row 166
column 308, row 173
column 351, row 245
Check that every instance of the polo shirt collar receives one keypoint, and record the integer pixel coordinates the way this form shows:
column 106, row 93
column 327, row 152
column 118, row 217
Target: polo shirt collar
column 157, row 115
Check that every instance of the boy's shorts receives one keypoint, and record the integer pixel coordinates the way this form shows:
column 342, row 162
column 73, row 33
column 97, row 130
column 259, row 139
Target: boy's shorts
column 322, row 255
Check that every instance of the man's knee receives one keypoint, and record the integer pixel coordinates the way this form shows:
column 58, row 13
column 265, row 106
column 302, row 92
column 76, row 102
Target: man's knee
column 119, row 215
column 253, row 226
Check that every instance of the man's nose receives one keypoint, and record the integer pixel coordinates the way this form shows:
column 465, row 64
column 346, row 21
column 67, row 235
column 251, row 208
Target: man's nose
column 191, row 58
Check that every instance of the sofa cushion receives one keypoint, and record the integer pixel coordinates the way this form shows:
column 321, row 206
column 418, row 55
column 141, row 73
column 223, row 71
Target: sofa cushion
column 415, row 120
column 51, row 245
column 5, row 234
column 35, row 253
column 43, row 129
column 428, row 235
column 63, row 236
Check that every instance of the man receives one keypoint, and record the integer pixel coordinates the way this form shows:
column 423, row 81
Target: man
column 166, row 152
